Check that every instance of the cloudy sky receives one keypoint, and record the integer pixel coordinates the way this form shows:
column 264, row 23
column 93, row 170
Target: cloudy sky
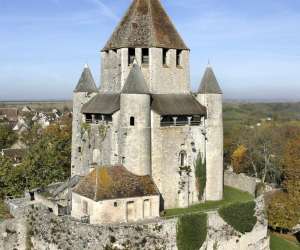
column 254, row 46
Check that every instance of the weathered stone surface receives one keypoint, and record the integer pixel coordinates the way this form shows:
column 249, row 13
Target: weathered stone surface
column 38, row 229
column 240, row 181
column 222, row 236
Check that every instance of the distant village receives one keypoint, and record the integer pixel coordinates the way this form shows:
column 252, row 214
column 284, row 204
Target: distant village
column 23, row 119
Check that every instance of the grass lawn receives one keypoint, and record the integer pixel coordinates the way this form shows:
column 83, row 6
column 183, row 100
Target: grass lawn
column 4, row 214
column 231, row 195
column 278, row 243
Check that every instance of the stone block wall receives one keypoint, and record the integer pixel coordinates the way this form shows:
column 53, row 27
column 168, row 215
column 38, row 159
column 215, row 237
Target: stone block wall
column 240, row 181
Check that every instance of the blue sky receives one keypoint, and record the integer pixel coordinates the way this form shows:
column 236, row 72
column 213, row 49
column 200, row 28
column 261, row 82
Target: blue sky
column 254, row 46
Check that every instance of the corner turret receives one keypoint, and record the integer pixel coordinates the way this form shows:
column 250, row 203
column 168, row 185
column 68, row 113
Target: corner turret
column 210, row 95
column 84, row 91
column 135, row 124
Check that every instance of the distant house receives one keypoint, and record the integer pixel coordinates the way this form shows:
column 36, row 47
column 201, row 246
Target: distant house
column 115, row 195
column 15, row 155
column 26, row 109
column 9, row 114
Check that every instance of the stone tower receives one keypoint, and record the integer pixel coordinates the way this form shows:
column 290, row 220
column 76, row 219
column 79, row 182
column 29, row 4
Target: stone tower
column 135, row 123
column 84, row 91
column 210, row 95
column 146, row 34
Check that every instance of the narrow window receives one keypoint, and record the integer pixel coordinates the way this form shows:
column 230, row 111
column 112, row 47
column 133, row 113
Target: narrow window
column 165, row 57
column 79, row 150
column 84, row 207
column 182, row 158
column 131, row 55
column 178, row 57
column 131, row 121
column 88, row 118
column 115, row 204
column 145, row 56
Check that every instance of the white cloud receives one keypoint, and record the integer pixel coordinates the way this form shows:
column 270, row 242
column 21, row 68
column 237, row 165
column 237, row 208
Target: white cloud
column 105, row 9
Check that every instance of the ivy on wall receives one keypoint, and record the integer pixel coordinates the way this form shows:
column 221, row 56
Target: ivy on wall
column 200, row 173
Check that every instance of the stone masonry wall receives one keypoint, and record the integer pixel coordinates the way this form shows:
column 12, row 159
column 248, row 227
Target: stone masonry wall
column 177, row 189
column 222, row 236
column 240, row 181
column 38, row 229
column 161, row 79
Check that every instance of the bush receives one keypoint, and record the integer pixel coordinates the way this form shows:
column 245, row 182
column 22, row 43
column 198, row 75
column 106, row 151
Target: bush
column 241, row 216
column 191, row 231
column 200, row 172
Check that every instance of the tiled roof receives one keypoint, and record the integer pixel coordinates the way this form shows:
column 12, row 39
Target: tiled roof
column 177, row 104
column 86, row 82
column 135, row 83
column 102, row 104
column 115, row 182
column 209, row 83
column 11, row 114
column 146, row 24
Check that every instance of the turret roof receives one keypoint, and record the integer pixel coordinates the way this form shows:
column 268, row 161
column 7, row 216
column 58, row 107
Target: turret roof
column 209, row 83
column 86, row 82
column 146, row 24
column 135, row 83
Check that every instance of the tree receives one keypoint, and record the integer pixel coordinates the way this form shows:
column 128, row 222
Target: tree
column 7, row 136
column 284, row 208
column 49, row 158
column 238, row 159
column 11, row 178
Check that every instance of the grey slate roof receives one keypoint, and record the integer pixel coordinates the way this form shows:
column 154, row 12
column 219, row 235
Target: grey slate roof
column 209, row 83
column 102, row 104
column 86, row 82
column 135, row 83
column 177, row 104
column 145, row 25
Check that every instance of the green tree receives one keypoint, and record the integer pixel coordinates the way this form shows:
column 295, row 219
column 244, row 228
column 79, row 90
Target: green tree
column 7, row 136
column 49, row 158
column 284, row 208
column 12, row 181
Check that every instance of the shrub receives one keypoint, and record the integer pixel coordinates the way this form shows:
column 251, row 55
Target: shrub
column 241, row 216
column 191, row 231
column 200, row 172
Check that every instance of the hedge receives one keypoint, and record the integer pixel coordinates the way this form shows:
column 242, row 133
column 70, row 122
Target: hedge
column 241, row 216
column 191, row 231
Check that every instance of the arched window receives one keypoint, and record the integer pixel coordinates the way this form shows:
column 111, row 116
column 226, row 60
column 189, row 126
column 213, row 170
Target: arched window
column 131, row 121
column 182, row 158
column 96, row 156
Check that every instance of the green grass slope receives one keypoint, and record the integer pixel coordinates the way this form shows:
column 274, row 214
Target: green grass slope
column 278, row 243
column 231, row 195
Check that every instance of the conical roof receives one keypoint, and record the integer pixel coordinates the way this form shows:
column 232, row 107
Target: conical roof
column 145, row 25
column 135, row 83
column 209, row 83
column 86, row 82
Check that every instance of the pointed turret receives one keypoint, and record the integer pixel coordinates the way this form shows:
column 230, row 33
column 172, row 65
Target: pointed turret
column 135, row 83
column 210, row 95
column 145, row 25
column 86, row 82
column 135, row 121
column 209, row 83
